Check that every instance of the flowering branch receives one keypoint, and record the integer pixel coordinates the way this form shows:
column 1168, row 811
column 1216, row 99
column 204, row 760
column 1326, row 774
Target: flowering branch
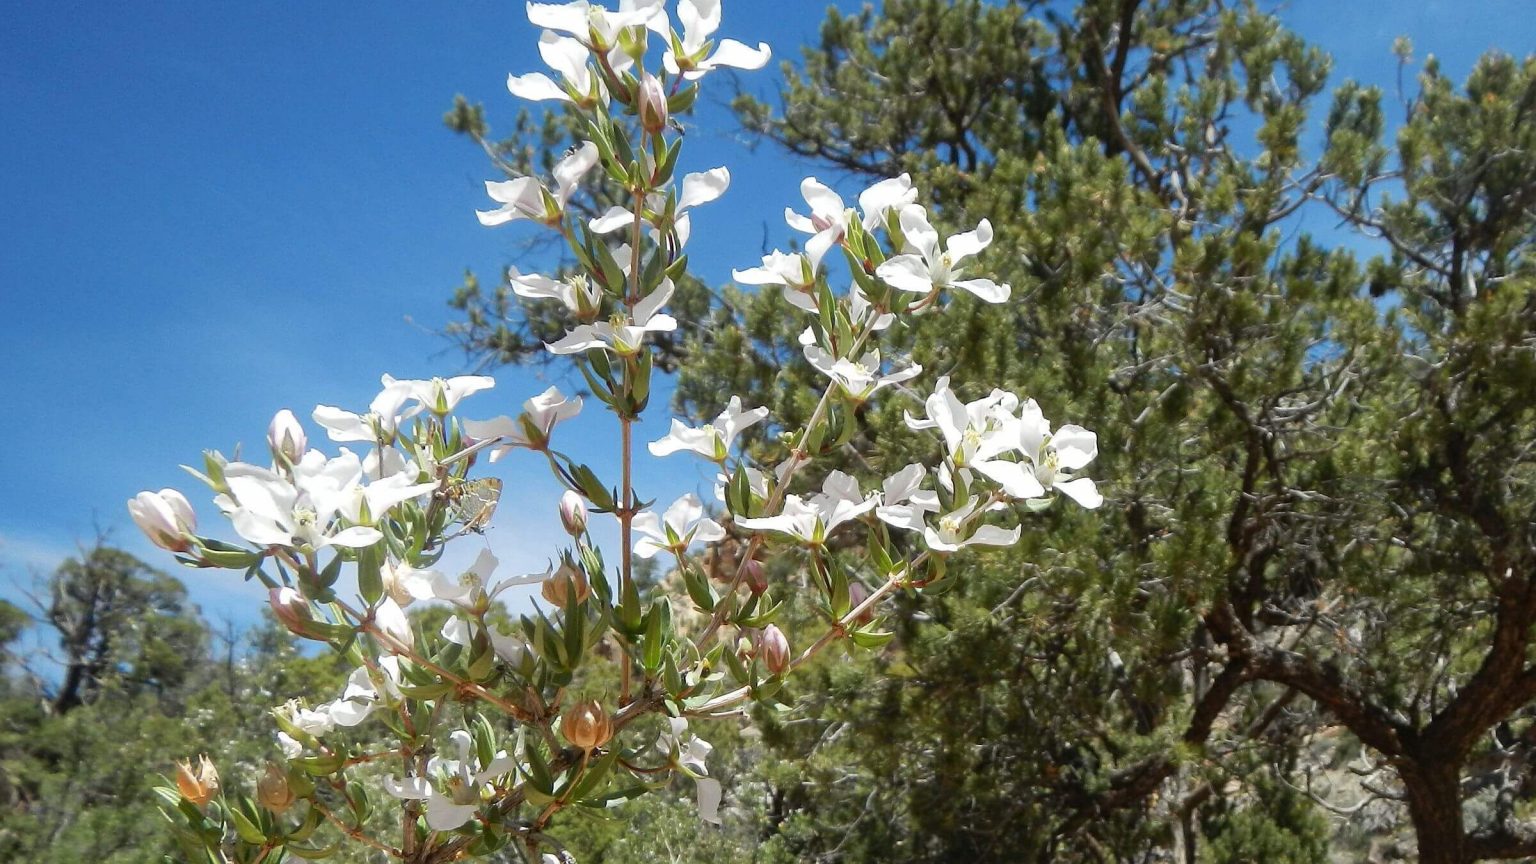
column 490, row 744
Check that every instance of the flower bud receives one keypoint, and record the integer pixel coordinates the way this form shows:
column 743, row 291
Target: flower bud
column 165, row 517
column 286, row 438
column 197, row 783
column 557, row 588
column 573, row 513
column 773, row 648
column 292, row 611
column 273, row 790
column 651, row 104
column 587, row 725
column 755, row 576
column 857, row 594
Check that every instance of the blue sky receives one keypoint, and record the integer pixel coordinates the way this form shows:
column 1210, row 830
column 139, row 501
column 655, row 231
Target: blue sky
column 215, row 210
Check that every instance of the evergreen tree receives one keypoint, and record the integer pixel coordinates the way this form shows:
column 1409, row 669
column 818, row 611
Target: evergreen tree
column 1319, row 459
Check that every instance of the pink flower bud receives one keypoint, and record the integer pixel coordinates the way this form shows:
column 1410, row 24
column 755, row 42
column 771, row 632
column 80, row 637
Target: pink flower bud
column 773, row 648
column 286, row 437
column 756, row 577
column 857, row 594
column 573, row 513
column 292, row 610
column 165, row 517
column 652, row 104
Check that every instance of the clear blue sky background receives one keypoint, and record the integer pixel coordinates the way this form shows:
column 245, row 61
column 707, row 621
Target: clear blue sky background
column 214, row 210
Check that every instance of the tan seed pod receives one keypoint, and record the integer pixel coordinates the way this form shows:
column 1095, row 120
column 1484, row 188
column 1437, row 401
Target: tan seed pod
column 586, row 725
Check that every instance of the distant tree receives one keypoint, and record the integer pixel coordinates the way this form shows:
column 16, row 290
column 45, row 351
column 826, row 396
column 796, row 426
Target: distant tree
column 120, row 622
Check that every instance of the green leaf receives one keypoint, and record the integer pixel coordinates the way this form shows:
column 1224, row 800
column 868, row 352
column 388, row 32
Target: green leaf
column 246, row 828
column 370, row 579
column 870, row 638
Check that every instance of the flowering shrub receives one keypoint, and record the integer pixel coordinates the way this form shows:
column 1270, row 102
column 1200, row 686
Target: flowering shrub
column 487, row 746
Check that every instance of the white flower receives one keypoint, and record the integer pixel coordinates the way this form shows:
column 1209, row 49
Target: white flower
column 469, row 591
column 165, row 517
column 812, row 521
column 713, row 440
column 623, row 335
column 1047, row 459
column 390, row 618
column 1070, row 449
column 595, row 23
column 462, row 631
column 568, row 57
column 450, row 809
column 950, row 532
column 582, row 297
column 289, row 746
column 689, row 754
column 378, row 424
column 364, row 692
column 683, row 524
column 306, row 720
column 974, row 431
column 532, row 428
column 860, row 378
column 859, row 308
column 924, row 269
column 698, row 188
column 267, row 510
column 440, row 395
column 903, row 504
column 797, row 273
column 700, row 19
column 830, row 218
column 526, row 197
column 757, row 484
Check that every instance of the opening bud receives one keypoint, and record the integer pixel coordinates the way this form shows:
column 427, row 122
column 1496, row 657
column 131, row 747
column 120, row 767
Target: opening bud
column 165, row 517
column 573, row 513
column 773, row 649
column 197, row 782
column 587, row 725
column 273, row 790
column 286, row 438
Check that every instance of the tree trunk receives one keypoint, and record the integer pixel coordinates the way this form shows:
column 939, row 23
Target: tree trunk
column 1434, row 803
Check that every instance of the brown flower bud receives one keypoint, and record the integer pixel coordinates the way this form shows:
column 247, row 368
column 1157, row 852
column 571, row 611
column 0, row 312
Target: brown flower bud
column 198, row 782
column 558, row 588
column 587, row 725
column 773, row 649
column 273, row 790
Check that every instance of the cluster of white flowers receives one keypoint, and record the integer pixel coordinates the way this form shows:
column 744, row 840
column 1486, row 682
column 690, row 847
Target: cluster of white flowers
column 388, row 510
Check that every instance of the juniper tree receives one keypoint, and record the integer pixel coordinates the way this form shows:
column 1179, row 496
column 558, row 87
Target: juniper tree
column 1318, row 446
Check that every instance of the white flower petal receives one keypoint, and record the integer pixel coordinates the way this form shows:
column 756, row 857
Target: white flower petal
column 1082, row 491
